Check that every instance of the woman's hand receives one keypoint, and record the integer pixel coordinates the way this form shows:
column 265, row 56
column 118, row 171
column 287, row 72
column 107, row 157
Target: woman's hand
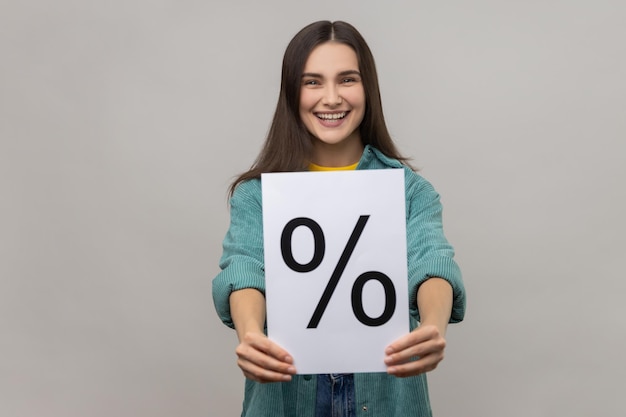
column 259, row 358
column 426, row 343
column 262, row 360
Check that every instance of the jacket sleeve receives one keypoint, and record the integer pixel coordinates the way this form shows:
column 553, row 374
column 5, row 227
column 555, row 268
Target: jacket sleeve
column 242, row 262
column 428, row 251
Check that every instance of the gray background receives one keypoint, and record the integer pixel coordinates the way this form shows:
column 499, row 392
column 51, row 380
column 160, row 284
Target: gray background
column 123, row 122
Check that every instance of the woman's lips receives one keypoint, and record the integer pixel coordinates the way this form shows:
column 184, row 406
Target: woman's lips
column 331, row 119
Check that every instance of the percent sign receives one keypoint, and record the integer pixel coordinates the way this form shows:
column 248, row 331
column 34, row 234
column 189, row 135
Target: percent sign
column 318, row 257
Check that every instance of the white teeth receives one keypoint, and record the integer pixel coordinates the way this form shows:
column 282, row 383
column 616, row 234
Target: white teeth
column 331, row 116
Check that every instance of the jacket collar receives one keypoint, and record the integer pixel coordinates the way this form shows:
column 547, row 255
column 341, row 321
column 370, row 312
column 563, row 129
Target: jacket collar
column 371, row 156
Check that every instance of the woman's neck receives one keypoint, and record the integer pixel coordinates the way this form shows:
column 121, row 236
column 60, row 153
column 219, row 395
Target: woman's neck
column 337, row 155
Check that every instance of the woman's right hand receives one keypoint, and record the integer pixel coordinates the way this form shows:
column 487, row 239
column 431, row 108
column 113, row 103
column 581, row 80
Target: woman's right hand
column 262, row 360
column 259, row 358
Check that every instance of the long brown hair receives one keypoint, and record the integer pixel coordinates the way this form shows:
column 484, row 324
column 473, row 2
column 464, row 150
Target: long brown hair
column 288, row 144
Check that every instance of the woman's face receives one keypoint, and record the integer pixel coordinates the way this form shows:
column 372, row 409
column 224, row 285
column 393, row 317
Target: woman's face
column 332, row 100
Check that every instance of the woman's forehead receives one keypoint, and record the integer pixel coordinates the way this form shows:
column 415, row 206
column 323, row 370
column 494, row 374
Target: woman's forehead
column 331, row 56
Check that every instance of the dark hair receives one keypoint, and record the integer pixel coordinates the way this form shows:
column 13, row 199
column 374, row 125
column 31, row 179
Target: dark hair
column 288, row 144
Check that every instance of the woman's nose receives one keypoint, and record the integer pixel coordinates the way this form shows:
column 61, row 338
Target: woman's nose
column 331, row 96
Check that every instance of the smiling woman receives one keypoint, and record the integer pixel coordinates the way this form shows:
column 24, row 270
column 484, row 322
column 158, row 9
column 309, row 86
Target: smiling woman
column 289, row 145
column 329, row 116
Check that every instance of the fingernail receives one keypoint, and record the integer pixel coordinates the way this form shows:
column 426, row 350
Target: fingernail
column 391, row 370
column 286, row 377
column 389, row 350
column 291, row 370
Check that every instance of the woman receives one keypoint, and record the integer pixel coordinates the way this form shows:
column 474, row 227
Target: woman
column 329, row 116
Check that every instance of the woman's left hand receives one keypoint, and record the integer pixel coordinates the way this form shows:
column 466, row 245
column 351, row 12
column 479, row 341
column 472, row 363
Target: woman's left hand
column 421, row 350
column 425, row 345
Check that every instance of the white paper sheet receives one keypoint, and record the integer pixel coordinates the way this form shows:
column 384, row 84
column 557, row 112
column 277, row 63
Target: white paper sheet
column 300, row 208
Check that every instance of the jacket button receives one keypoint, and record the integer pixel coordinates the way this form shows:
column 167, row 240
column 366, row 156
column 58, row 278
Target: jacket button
column 364, row 408
column 307, row 377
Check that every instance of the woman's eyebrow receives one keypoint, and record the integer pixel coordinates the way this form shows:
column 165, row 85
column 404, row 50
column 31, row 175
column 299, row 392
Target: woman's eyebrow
column 342, row 73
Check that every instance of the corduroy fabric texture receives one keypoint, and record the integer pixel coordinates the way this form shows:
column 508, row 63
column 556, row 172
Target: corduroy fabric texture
column 428, row 255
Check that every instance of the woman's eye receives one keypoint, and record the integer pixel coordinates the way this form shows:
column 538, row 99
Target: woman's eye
column 348, row 80
column 311, row 82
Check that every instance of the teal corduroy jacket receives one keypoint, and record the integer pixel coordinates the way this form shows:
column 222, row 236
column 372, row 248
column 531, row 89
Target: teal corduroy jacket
column 428, row 255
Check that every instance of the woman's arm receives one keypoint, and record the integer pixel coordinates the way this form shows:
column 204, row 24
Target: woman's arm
column 427, row 342
column 259, row 358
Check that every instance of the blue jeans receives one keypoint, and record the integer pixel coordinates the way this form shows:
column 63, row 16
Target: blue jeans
column 335, row 395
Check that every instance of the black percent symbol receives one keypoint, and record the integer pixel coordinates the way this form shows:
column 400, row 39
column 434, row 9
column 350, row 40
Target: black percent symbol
column 318, row 257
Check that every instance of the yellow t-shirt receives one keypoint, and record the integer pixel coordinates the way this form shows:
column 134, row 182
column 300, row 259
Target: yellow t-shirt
column 313, row 167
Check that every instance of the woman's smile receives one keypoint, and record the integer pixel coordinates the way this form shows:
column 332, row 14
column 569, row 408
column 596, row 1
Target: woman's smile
column 332, row 119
